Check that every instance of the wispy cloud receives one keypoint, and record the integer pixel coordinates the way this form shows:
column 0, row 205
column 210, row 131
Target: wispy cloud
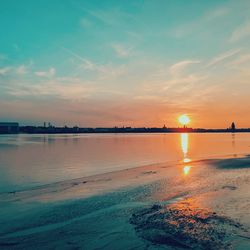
column 63, row 88
column 216, row 13
column 15, row 70
column 198, row 24
column 183, row 83
column 241, row 32
column 240, row 61
column 121, row 50
column 223, row 57
column 105, row 71
column 74, row 54
column 22, row 69
column 178, row 67
column 51, row 72
column 4, row 70
column 108, row 72
column 112, row 17
column 85, row 63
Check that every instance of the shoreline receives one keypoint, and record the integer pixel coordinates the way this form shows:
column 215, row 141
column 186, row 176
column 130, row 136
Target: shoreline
column 113, row 180
column 158, row 205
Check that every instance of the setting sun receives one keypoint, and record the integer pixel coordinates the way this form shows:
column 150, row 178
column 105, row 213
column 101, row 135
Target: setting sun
column 184, row 119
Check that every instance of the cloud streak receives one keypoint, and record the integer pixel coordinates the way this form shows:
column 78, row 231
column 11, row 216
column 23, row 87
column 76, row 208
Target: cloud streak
column 22, row 69
column 178, row 67
column 222, row 57
column 122, row 51
column 57, row 88
column 4, row 71
column 243, row 31
column 50, row 73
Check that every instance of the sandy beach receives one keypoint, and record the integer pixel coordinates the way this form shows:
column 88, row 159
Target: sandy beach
column 196, row 205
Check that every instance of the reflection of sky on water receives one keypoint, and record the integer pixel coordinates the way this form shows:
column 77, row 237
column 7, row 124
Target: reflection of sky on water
column 29, row 160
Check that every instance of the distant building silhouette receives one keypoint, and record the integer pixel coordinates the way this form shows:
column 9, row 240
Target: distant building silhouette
column 9, row 127
column 233, row 126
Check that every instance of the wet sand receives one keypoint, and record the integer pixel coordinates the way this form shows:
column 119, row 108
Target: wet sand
column 196, row 205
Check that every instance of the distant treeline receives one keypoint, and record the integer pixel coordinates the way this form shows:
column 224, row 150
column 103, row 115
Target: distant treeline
column 14, row 127
column 60, row 130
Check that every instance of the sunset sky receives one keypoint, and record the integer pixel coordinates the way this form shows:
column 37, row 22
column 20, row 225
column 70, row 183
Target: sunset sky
column 131, row 63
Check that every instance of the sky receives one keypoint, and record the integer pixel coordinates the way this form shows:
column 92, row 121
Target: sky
column 125, row 63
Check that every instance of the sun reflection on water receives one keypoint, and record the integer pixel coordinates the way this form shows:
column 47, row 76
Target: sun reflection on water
column 186, row 170
column 184, row 146
column 186, row 160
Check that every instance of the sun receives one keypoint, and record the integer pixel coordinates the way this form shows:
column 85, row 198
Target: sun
column 184, row 120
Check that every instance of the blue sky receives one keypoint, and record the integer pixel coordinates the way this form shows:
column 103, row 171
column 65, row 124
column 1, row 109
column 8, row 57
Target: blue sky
column 138, row 63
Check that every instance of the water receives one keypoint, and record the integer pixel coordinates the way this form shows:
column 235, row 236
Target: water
column 33, row 160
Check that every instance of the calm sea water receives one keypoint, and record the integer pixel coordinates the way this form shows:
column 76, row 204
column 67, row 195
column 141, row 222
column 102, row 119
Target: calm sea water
column 32, row 160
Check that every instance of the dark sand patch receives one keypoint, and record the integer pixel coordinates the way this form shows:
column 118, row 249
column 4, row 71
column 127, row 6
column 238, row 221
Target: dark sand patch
column 8, row 244
column 149, row 172
column 229, row 187
column 233, row 163
column 185, row 225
